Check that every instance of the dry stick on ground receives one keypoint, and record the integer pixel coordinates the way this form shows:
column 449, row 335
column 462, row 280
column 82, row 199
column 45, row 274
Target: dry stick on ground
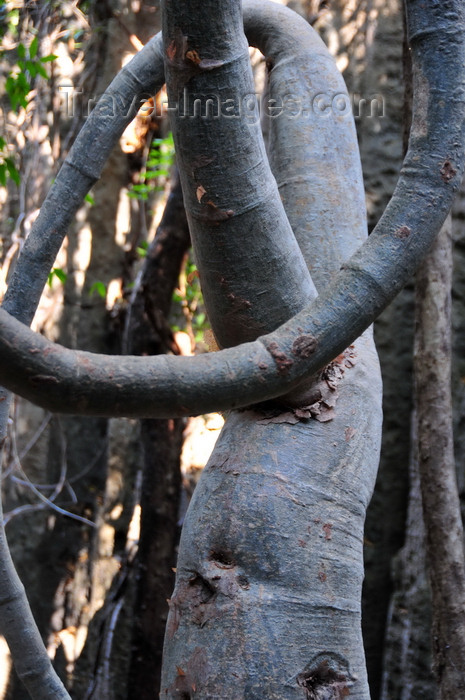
column 441, row 503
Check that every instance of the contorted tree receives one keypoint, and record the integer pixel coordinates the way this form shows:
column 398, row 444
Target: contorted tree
column 267, row 599
column 276, row 514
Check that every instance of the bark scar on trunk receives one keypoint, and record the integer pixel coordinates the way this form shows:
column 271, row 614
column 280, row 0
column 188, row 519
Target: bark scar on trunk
column 326, row 677
column 448, row 172
column 304, row 346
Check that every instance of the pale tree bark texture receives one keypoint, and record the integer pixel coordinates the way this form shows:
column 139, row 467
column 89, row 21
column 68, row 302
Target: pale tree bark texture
column 275, row 514
column 272, row 592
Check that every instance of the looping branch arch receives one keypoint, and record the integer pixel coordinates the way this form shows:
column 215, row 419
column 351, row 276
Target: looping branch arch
column 430, row 176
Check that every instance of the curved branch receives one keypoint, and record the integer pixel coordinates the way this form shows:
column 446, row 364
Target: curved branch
column 142, row 77
column 83, row 166
column 312, row 148
column 31, row 661
column 252, row 270
column 430, row 176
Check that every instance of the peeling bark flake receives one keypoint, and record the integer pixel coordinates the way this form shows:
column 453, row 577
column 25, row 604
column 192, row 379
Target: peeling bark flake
column 173, row 619
column 171, row 50
column 319, row 401
column 200, row 192
column 194, row 675
column 349, row 433
column 283, row 363
column 202, row 63
column 193, row 56
column 212, row 214
column 289, row 417
column 239, row 301
column 328, row 530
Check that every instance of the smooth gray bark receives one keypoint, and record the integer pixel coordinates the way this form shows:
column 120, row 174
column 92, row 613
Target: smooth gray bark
column 430, row 177
column 242, row 239
column 267, row 600
column 268, row 583
column 102, row 129
column 367, row 282
column 312, row 148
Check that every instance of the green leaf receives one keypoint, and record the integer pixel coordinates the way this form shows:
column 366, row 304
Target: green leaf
column 23, row 82
column 21, row 50
column 47, row 59
column 33, row 47
column 153, row 174
column 33, row 68
column 99, row 288
column 200, row 319
column 89, row 199
column 3, row 174
column 41, row 71
column 12, row 171
column 59, row 274
column 140, row 191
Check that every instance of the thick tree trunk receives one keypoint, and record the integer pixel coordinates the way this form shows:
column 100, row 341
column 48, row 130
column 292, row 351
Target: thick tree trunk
column 268, row 585
column 267, row 599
